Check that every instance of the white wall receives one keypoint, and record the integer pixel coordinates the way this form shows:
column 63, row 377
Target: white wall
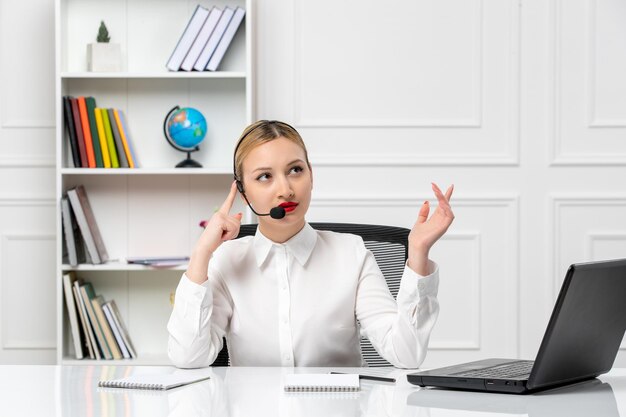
column 520, row 104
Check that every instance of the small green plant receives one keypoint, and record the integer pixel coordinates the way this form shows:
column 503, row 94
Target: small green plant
column 103, row 33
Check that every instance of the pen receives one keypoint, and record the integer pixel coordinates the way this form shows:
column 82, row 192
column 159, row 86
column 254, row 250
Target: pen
column 370, row 377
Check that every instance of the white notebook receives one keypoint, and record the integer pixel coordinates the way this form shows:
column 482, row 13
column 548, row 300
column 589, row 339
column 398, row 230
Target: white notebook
column 158, row 381
column 321, row 383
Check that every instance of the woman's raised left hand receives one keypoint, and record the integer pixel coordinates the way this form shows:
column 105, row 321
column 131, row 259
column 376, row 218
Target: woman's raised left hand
column 426, row 231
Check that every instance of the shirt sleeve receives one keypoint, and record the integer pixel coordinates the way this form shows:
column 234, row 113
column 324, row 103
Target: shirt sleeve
column 398, row 329
column 198, row 322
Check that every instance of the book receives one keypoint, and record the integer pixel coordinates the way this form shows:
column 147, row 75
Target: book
column 321, row 382
column 71, row 132
column 84, row 121
column 106, row 309
column 226, row 39
column 71, row 234
column 78, row 128
column 202, row 39
column 90, row 338
column 70, row 303
column 87, row 293
column 131, row 148
column 119, row 146
column 117, row 318
column 106, row 159
column 87, row 223
column 90, row 102
column 110, row 141
column 159, row 381
column 107, row 332
column 189, row 35
column 120, row 129
column 214, row 39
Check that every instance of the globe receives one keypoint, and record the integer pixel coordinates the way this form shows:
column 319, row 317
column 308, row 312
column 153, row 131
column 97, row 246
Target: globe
column 185, row 128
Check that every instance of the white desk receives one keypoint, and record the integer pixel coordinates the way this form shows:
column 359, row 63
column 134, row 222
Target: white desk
column 72, row 391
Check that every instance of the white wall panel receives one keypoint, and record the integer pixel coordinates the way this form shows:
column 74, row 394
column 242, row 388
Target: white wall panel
column 402, row 77
column 27, row 290
column 589, row 105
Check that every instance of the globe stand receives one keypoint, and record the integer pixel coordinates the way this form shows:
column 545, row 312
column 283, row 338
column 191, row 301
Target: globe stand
column 189, row 163
column 185, row 163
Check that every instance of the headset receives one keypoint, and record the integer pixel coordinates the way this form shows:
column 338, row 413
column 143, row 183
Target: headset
column 276, row 212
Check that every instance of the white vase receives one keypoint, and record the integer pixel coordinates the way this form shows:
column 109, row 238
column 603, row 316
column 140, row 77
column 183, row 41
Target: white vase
column 104, row 57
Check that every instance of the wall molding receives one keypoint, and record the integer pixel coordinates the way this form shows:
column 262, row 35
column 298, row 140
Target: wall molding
column 557, row 155
column 556, row 203
column 7, row 342
column 508, row 157
column 28, row 161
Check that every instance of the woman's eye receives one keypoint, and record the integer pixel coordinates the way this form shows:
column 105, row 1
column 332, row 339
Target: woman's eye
column 296, row 169
column 263, row 177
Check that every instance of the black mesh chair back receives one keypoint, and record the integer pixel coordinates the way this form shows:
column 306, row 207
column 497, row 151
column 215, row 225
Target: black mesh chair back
column 389, row 244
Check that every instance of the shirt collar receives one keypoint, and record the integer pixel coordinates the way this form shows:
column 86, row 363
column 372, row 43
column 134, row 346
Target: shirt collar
column 300, row 245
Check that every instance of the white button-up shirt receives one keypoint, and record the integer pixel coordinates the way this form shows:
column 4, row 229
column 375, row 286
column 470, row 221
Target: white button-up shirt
column 304, row 302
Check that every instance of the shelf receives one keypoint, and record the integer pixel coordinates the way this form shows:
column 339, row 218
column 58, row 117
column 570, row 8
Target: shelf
column 147, row 171
column 143, row 360
column 118, row 266
column 154, row 75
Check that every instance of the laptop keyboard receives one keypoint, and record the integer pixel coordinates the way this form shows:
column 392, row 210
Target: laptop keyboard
column 509, row 370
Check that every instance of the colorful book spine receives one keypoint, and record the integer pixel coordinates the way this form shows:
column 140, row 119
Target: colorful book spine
column 120, row 129
column 121, row 156
column 84, row 121
column 71, row 132
column 95, row 135
column 129, row 140
column 110, row 142
column 79, row 134
column 106, row 159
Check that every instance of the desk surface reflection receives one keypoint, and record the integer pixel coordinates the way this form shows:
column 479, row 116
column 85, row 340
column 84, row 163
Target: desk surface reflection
column 240, row 391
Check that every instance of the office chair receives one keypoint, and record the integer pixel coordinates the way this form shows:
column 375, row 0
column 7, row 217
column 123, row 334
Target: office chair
column 389, row 244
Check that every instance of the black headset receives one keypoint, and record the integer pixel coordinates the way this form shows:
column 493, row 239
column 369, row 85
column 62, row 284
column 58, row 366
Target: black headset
column 276, row 212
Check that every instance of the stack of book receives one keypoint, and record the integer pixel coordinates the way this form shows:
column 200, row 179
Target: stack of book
column 97, row 327
column 83, row 241
column 206, row 38
column 99, row 137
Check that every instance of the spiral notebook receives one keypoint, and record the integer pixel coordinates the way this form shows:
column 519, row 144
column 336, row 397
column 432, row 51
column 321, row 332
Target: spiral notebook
column 322, row 383
column 158, row 381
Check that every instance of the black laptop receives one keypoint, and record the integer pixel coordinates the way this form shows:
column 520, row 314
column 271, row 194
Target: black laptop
column 581, row 342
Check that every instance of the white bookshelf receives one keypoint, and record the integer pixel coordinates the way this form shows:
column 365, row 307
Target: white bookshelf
column 153, row 210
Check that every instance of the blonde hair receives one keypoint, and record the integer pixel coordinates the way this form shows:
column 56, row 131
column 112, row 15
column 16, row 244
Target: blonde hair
column 261, row 132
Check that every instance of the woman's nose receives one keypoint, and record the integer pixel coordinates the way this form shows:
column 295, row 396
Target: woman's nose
column 284, row 187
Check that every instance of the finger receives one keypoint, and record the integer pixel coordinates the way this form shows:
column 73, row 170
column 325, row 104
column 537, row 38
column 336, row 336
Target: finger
column 440, row 197
column 228, row 203
column 449, row 192
column 423, row 213
column 231, row 227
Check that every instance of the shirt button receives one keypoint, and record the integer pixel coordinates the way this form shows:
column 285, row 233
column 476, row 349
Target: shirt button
column 285, row 321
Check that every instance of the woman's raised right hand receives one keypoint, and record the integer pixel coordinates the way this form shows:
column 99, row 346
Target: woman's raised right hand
column 222, row 226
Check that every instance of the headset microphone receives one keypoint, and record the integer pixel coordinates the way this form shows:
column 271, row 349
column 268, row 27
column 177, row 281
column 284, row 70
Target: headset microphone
column 275, row 213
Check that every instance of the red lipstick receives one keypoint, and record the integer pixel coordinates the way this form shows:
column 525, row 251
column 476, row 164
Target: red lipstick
column 288, row 206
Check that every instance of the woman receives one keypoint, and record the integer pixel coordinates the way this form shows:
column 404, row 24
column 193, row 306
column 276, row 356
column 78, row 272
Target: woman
column 293, row 296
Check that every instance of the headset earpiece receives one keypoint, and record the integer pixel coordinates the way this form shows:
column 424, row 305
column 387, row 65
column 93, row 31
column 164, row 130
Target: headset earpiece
column 239, row 186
